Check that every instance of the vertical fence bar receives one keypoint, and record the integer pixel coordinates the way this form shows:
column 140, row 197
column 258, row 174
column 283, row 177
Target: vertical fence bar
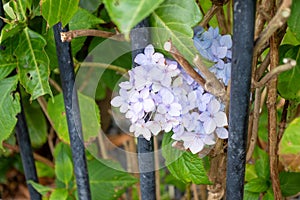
column 140, row 38
column 23, row 138
column 243, row 35
column 67, row 75
column 26, row 153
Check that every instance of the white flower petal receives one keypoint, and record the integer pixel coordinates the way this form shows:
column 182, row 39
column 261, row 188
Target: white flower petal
column 140, row 59
column 196, row 146
column 213, row 106
column 220, row 119
column 154, row 127
column 149, row 50
column 148, row 105
column 204, row 116
column 117, row 101
column 209, row 139
column 161, row 109
column 175, row 109
column 209, row 126
column 222, row 133
column 167, row 96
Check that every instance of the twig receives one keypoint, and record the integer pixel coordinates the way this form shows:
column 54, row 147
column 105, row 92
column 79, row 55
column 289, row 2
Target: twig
column 255, row 122
column 195, row 192
column 272, row 120
column 35, row 155
column 212, row 84
column 277, row 21
column 184, row 63
column 275, row 72
column 50, row 142
column 102, row 144
column 156, row 163
column 260, row 21
column 43, row 105
column 282, row 124
column 222, row 21
column 262, row 68
column 86, row 80
column 55, row 85
column 68, row 36
column 118, row 69
column 229, row 24
column 207, row 17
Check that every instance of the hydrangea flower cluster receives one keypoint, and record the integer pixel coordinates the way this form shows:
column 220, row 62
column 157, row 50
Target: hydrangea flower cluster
column 216, row 48
column 161, row 96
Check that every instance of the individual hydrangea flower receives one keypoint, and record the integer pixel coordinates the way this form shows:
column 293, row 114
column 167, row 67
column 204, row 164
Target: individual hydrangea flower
column 161, row 96
column 216, row 48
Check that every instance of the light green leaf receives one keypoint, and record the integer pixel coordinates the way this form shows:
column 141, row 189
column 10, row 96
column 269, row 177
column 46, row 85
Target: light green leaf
column 43, row 190
column 10, row 107
column 269, row 195
column 55, row 11
column 183, row 165
column 33, row 64
column 59, row 193
column 10, row 30
column 9, row 10
column 288, row 81
column 250, row 172
column 63, row 163
column 289, row 183
column 262, row 166
column 36, row 122
column 257, row 185
column 83, row 19
column 89, row 112
column 106, row 182
column 289, row 146
column 251, row 195
column 293, row 21
column 173, row 20
column 128, row 13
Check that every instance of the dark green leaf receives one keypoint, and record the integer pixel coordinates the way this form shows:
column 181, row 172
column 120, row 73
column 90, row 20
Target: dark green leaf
column 288, row 86
column 90, row 117
column 174, row 20
column 63, row 163
column 10, row 30
column 106, row 182
column 55, row 11
column 44, row 170
column 251, row 195
column 183, row 165
column 269, row 195
column 84, row 20
column 33, row 64
column 59, row 193
column 10, row 107
column 43, row 190
column 289, row 146
column 50, row 49
column 170, row 179
column 36, row 122
column 289, row 183
column 257, row 185
column 127, row 13
column 293, row 21
column 90, row 5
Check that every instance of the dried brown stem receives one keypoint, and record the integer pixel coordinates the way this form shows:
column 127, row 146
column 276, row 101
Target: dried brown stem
column 104, row 66
column 55, row 85
column 277, row 21
column 212, row 84
column 184, row 63
column 102, row 145
column 255, row 122
column 222, row 21
column 43, row 105
column 68, row 36
column 207, row 17
column 263, row 8
column 282, row 124
column 262, row 68
column 272, row 120
column 275, row 72
column 35, row 155
column 195, row 192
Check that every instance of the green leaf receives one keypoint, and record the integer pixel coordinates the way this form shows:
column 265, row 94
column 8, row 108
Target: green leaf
column 257, row 185
column 36, row 122
column 63, row 163
column 33, row 64
column 288, row 86
column 183, row 165
column 55, row 11
column 89, row 112
column 289, row 146
column 269, row 194
column 43, row 190
column 50, row 49
column 128, row 13
column 83, row 19
column 10, row 107
column 170, row 179
column 10, row 30
column 250, row 172
column 289, row 183
column 44, row 170
column 59, row 193
column 90, row 5
column 106, row 182
column 251, row 195
column 293, row 21
column 262, row 164
column 173, row 20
